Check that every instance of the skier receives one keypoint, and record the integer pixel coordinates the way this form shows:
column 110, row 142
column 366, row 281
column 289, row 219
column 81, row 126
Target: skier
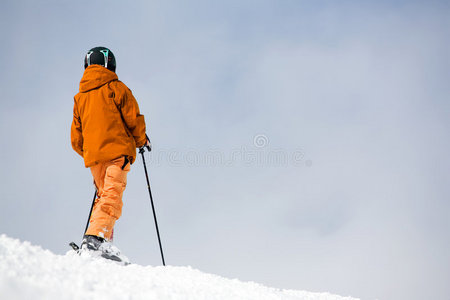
column 107, row 128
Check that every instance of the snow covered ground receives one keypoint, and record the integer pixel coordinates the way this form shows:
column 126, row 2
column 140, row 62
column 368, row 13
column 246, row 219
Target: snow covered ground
column 29, row 272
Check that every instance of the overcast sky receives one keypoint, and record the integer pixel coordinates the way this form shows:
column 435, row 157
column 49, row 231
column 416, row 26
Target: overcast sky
column 299, row 144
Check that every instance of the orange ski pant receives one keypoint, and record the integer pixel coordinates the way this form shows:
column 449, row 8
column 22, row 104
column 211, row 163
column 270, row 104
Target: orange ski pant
column 110, row 178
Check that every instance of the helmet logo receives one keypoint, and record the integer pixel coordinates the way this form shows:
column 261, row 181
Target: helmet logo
column 105, row 54
column 88, row 57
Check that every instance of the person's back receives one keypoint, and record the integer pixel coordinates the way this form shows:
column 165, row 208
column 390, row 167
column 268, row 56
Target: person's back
column 107, row 128
column 112, row 125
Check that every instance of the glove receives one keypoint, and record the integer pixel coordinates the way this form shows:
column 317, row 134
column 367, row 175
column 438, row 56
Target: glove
column 147, row 145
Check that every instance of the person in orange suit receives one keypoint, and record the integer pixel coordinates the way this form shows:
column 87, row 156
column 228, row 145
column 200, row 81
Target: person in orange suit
column 107, row 128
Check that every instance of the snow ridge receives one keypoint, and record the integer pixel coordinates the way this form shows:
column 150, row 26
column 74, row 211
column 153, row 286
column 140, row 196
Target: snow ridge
column 30, row 272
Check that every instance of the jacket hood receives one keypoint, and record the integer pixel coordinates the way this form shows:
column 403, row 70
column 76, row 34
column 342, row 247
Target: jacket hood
column 95, row 76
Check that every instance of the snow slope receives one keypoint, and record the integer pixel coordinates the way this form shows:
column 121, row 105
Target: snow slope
column 29, row 272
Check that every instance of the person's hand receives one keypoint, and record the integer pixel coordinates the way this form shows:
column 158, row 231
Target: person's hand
column 147, row 145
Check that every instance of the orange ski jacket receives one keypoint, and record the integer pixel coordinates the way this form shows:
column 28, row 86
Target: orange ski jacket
column 106, row 120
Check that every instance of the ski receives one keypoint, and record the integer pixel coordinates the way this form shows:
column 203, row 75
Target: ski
column 74, row 246
column 109, row 255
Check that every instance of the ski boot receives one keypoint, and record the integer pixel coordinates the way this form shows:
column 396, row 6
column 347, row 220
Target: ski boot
column 97, row 246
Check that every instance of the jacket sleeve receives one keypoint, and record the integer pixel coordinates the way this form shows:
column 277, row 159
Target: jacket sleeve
column 133, row 119
column 75, row 132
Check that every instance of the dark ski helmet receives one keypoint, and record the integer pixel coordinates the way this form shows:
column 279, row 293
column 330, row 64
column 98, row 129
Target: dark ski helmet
column 100, row 56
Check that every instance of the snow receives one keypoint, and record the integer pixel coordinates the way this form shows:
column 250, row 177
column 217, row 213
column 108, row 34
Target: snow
column 30, row 272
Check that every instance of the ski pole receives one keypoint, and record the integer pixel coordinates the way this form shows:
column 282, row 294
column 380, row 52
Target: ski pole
column 72, row 244
column 90, row 212
column 141, row 151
